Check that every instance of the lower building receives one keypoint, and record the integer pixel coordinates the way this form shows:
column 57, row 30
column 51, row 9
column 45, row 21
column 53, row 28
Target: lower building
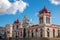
column 8, row 31
column 2, row 31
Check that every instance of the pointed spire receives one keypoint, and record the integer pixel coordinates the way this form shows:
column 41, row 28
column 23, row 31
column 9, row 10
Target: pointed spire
column 44, row 10
column 17, row 20
column 25, row 20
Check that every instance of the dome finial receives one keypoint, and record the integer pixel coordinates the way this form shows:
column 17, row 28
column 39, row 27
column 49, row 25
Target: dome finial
column 44, row 7
column 17, row 21
column 44, row 10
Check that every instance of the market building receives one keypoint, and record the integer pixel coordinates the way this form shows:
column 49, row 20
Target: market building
column 43, row 29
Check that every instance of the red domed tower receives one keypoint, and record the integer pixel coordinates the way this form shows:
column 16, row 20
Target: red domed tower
column 16, row 24
column 44, row 16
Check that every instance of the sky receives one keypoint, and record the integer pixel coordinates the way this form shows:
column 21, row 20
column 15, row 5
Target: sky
column 11, row 10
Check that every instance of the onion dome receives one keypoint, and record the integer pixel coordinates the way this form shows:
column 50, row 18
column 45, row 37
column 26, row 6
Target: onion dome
column 16, row 22
column 44, row 10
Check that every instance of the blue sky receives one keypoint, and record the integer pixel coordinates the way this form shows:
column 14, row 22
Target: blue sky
column 31, row 11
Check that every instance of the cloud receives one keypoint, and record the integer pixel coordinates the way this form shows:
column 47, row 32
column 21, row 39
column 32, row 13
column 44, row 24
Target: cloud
column 11, row 8
column 56, row 2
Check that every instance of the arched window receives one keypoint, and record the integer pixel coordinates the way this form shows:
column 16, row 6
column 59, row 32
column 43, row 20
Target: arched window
column 16, row 35
column 48, row 32
column 53, row 33
column 41, row 20
column 41, row 32
column 36, row 30
column 13, row 27
column 47, row 20
column 28, row 32
column 58, row 33
column 21, row 33
column 32, row 33
column 17, row 27
column 24, row 32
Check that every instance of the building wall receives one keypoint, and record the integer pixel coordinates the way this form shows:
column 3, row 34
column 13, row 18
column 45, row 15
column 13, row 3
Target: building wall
column 19, row 32
column 2, row 31
column 56, row 32
column 50, row 32
column 8, row 29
